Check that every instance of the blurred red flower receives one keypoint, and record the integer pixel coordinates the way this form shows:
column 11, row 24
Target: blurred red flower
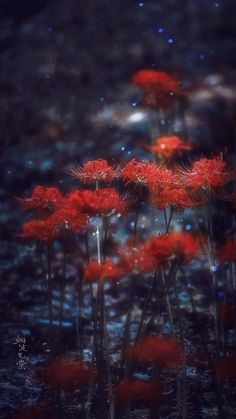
column 133, row 260
column 226, row 368
column 42, row 230
column 94, row 171
column 66, row 373
column 227, row 252
column 144, row 392
column 169, row 146
column 160, row 351
column 43, row 199
column 96, row 272
column 227, row 314
column 69, row 219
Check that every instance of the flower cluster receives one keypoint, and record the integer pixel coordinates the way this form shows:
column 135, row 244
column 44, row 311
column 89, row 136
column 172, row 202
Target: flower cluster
column 98, row 272
column 94, row 171
column 169, row 146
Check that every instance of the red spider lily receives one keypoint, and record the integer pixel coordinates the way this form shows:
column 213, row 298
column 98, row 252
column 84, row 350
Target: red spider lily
column 145, row 392
column 160, row 88
column 69, row 219
column 139, row 172
column 185, row 246
column 133, row 260
column 66, row 373
column 160, row 351
column 168, row 146
column 177, row 198
column 227, row 314
column 96, row 272
column 227, row 252
column 101, row 201
column 208, row 175
column 226, row 368
column 42, row 230
column 44, row 199
column 94, row 171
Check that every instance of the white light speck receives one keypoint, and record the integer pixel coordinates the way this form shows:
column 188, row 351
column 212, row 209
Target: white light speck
column 213, row 268
column 141, row 4
column 122, row 148
column 136, row 117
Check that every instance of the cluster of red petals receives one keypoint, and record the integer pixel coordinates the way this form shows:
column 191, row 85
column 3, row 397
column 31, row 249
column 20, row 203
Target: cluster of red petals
column 174, row 197
column 208, row 175
column 227, row 253
column 144, row 392
column 94, row 171
column 133, row 260
column 162, row 248
column 101, row 201
column 43, row 199
column 227, row 314
column 226, row 368
column 69, row 219
column 66, row 373
column 167, row 147
column 96, row 272
column 151, row 80
column 160, row 351
column 42, row 230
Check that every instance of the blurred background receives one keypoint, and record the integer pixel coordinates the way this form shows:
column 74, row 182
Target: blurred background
column 66, row 96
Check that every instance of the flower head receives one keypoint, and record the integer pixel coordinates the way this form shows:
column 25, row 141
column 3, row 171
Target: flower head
column 42, row 230
column 145, row 392
column 133, row 260
column 99, row 272
column 69, row 219
column 167, row 147
column 94, row 171
column 101, row 201
column 143, row 172
column 157, row 350
column 174, row 197
column 43, row 199
column 227, row 252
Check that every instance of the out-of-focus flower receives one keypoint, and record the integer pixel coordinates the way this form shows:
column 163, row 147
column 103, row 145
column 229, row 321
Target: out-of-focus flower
column 208, row 175
column 160, row 88
column 227, row 314
column 66, row 373
column 160, row 351
column 42, row 230
column 144, row 392
column 227, row 252
column 101, row 201
column 177, row 198
column 94, row 171
column 43, row 199
column 226, row 368
column 162, row 248
column 99, row 272
column 36, row 412
column 69, row 219
column 133, row 260
column 167, row 147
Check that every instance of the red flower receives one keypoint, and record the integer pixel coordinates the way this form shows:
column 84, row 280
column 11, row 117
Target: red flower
column 226, row 368
column 101, row 201
column 177, row 198
column 133, row 260
column 144, row 392
column 168, row 146
column 227, row 253
column 160, row 88
column 95, row 271
column 69, row 219
column 163, row 248
column 94, row 171
column 139, row 172
column 157, row 350
column 42, row 230
column 44, row 199
column 208, row 175
column 66, row 374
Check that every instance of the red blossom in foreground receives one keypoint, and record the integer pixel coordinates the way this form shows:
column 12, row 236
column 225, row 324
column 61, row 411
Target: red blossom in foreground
column 160, row 88
column 101, row 201
column 160, row 351
column 94, row 171
column 144, row 392
column 169, row 146
column 96, row 272
column 226, row 368
column 66, row 219
column 177, row 198
column 66, row 374
column 139, row 172
column 208, row 175
column 42, row 230
column 227, row 252
column 43, row 199
column 227, row 314
column 185, row 246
